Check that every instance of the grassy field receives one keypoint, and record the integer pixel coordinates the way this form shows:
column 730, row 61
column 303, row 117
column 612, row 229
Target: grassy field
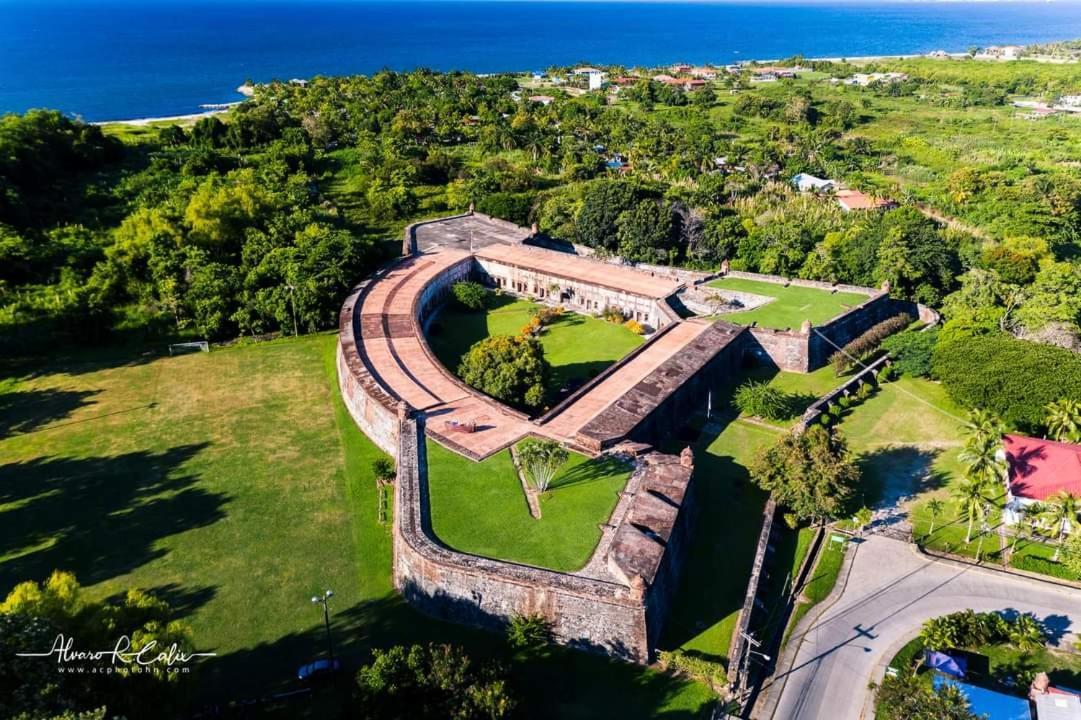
column 235, row 485
column 480, row 508
column 791, row 306
column 907, row 437
column 800, row 389
column 722, row 549
column 578, row 346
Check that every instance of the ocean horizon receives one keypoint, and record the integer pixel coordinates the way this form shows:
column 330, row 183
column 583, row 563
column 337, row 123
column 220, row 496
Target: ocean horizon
column 119, row 59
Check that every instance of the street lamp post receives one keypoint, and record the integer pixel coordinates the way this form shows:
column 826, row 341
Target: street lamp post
column 324, row 601
column 293, row 303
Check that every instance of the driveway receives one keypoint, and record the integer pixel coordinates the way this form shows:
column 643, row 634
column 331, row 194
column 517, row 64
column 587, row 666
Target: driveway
column 887, row 591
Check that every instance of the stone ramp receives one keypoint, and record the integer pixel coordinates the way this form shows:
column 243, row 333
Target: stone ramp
column 593, row 403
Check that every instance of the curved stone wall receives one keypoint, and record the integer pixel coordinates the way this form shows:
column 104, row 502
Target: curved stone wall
column 585, row 613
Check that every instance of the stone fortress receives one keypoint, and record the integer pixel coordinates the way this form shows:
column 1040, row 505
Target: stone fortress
column 399, row 394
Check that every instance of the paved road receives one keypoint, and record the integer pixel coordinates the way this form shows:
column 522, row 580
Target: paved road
column 889, row 592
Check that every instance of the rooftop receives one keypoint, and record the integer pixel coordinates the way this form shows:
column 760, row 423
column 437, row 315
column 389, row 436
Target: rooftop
column 1041, row 468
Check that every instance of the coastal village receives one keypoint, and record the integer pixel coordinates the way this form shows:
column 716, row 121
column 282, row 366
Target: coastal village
column 744, row 390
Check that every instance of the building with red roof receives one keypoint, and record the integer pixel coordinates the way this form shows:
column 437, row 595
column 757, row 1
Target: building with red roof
column 1039, row 469
column 850, row 200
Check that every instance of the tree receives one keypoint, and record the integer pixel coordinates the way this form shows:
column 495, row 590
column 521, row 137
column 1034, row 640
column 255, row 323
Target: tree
column 541, row 460
column 935, row 508
column 811, row 473
column 1007, row 376
column 1071, row 554
column 1060, row 515
column 906, row 697
column 1064, row 420
column 1026, row 633
column 972, row 502
column 644, row 232
column 34, row 611
column 472, row 295
column 511, row 369
column 431, row 682
column 912, row 350
column 602, row 204
column 762, row 400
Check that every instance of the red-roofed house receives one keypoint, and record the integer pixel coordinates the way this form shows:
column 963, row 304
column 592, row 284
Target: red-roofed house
column 1038, row 469
column 850, row 200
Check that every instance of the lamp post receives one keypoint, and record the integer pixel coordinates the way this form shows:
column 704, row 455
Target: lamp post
column 324, row 601
column 749, row 650
column 293, row 303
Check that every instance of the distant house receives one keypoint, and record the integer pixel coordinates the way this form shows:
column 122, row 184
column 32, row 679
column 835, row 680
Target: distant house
column 706, row 73
column 542, row 99
column 774, row 71
column 625, row 80
column 865, row 79
column 806, row 182
column 680, row 69
column 594, row 77
column 851, row 200
column 1002, row 52
column 1037, row 470
column 665, row 78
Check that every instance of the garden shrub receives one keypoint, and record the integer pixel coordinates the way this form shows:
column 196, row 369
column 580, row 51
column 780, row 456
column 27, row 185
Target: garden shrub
column 1044, row 566
column 528, row 632
column 1014, row 379
column 612, row 314
column 635, row 327
column 707, row 671
column 514, row 207
column 860, row 348
column 912, row 351
column 472, row 295
column 511, row 369
column 758, row 398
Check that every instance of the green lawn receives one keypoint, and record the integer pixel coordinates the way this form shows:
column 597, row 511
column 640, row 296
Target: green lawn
column 722, row 549
column 801, row 389
column 480, row 508
column 792, row 305
column 577, row 346
column 907, row 437
column 235, row 485
column 822, row 579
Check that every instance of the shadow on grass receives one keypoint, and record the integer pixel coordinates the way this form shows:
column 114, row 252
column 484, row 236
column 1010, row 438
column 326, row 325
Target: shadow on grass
column 553, row 682
column 98, row 517
column 891, row 474
column 24, row 411
column 589, row 471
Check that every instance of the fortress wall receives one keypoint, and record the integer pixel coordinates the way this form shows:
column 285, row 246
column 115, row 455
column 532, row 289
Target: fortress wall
column 373, row 409
column 584, row 613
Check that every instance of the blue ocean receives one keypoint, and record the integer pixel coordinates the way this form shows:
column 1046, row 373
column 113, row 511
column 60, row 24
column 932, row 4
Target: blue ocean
column 113, row 59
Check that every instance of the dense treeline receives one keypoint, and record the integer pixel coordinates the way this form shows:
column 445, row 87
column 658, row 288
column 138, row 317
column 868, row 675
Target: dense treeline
column 260, row 220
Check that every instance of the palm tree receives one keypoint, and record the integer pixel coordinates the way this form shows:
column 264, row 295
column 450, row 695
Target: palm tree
column 1063, row 420
column 983, row 427
column 972, row 502
column 1026, row 633
column 981, row 455
column 1060, row 514
column 935, row 507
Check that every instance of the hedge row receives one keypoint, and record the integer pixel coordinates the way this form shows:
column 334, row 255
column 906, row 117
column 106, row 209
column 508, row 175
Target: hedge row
column 1015, row 379
column 845, row 359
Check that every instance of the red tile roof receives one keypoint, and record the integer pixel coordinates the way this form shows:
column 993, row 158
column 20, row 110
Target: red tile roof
column 1041, row 468
column 856, row 200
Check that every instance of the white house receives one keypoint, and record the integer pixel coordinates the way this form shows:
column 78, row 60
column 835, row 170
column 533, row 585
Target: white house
column 594, row 76
column 806, row 182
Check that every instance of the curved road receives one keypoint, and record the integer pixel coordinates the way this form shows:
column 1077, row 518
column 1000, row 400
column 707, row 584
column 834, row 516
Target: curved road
column 888, row 592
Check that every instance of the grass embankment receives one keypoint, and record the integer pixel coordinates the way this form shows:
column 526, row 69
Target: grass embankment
column 235, row 485
column 480, row 508
column 822, row 579
column 578, row 347
column 791, row 305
